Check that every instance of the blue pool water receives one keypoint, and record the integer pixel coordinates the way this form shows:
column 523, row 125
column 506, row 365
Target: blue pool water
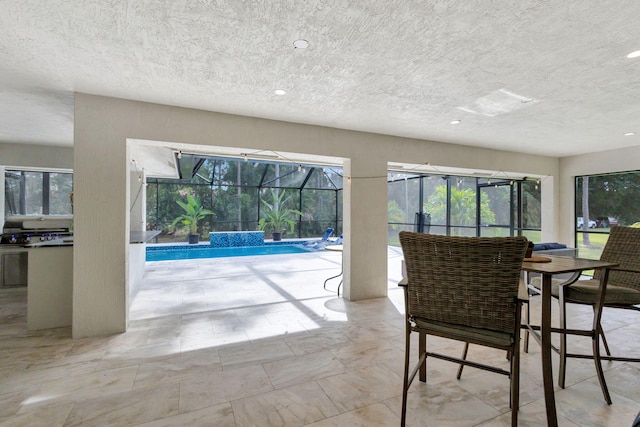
column 186, row 252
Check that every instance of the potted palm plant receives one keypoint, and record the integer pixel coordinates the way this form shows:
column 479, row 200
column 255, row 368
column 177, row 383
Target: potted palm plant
column 193, row 212
column 276, row 216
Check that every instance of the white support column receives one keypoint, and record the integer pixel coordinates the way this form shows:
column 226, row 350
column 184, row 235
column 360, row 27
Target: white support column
column 365, row 228
column 550, row 216
column 101, row 222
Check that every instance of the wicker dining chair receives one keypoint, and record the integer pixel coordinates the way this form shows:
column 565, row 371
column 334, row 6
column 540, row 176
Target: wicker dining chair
column 621, row 290
column 465, row 289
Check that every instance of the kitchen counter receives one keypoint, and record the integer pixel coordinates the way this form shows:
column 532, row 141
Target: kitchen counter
column 50, row 278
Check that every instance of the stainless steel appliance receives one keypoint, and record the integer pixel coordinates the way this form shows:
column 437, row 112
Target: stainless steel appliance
column 14, row 266
column 19, row 231
column 22, row 230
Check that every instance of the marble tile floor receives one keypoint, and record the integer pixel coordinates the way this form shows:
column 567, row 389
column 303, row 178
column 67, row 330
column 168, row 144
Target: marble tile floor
column 257, row 341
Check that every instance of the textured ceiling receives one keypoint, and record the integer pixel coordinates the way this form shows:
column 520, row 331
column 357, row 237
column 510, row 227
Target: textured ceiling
column 544, row 77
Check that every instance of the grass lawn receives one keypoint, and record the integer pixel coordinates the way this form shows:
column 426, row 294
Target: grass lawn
column 596, row 241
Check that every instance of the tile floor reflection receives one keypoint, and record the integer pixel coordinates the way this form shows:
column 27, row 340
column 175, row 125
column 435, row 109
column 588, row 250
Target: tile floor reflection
column 257, row 341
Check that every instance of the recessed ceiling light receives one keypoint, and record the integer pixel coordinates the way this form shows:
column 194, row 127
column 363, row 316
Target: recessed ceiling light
column 629, row 134
column 634, row 54
column 300, row 44
column 456, row 122
column 280, row 92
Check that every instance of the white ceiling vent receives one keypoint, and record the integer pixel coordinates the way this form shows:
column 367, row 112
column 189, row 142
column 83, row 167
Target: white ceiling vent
column 499, row 102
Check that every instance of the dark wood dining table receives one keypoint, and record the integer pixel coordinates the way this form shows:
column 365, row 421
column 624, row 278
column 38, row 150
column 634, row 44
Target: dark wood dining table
column 556, row 265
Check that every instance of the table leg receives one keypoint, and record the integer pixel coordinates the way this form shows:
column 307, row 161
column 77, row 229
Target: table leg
column 333, row 277
column 545, row 335
column 336, row 276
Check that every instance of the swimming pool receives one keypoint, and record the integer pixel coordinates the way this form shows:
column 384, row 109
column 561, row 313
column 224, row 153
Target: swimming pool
column 170, row 253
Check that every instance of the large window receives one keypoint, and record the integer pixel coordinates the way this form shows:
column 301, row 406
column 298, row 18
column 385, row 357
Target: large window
column 602, row 202
column 38, row 193
column 463, row 206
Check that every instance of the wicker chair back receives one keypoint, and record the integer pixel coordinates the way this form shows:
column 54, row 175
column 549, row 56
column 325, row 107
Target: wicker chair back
column 468, row 281
column 623, row 247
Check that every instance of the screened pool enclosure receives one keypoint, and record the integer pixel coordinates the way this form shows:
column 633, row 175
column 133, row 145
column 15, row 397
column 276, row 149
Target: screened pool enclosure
column 463, row 205
column 240, row 192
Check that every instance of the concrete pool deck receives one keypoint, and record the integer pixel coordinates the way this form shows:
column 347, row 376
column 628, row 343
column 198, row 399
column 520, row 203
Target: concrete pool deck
column 260, row 279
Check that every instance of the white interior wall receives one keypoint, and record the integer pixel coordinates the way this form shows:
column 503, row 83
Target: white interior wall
column 102, row 126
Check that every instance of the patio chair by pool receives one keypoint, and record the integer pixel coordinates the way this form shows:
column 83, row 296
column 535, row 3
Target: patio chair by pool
column 327, row 234
column 318, row 244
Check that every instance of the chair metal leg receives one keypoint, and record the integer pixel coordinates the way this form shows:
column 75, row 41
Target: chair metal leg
column 604, row 342
column 405, row 385
column 514, row 371
column 464, row 357
column 562, row 368
column 599, row 371
column 422, row 350
column 596, row 330
column 601, row 332
column 596, row 333
column 526, row 331
column 515, row 383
